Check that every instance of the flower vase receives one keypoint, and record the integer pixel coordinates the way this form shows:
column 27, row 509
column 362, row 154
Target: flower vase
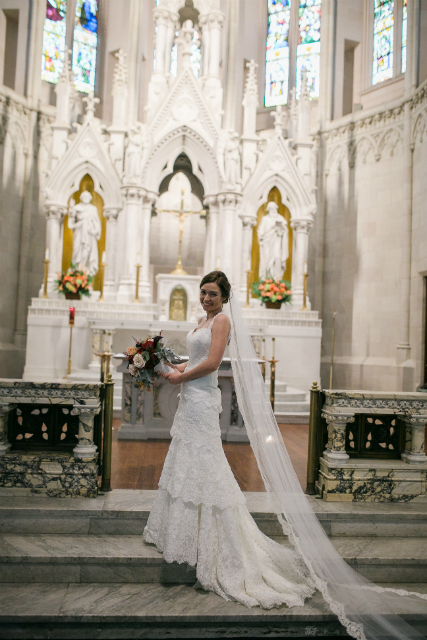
column 273, row 305
column 72, row 296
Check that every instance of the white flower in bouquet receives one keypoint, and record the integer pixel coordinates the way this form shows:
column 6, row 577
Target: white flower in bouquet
column 139, row 361
column 133, row 370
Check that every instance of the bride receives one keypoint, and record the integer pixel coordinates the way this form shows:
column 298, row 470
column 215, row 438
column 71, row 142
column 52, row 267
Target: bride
column 199, row 516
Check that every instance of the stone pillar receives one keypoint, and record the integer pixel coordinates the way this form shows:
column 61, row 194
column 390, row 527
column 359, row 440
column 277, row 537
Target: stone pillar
column 229, row 201
column 230, row 93
column 95, row 362
column 161, row 19
column 301, row 230
column 211, row 255
column 172, row 20
column 144, row 248
column 414, row 439
column 86, row 449
column 248, row 223
column 204, row 24
column 216, row 20
column 133, row 209
column 54, row 241
column 5, row 445
column 249, row 138
column 134, row 58
column 337, row 423
column 111, row 216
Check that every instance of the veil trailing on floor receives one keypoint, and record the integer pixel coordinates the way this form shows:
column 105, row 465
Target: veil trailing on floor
column 367, row 611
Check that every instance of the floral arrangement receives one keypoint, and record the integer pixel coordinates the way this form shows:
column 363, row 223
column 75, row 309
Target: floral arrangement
column 147, row 359
column 74, row 280
column 270, row 290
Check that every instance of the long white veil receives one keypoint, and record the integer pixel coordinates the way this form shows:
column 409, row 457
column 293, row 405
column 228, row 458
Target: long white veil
column 367, row 611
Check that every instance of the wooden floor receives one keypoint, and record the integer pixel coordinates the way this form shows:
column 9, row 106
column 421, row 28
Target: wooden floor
column 138, row 464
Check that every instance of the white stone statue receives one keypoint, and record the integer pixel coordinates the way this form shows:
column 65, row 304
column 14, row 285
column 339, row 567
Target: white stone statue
column 229, row 158
column 273, row 238
column 134, row 150
column 83, row 220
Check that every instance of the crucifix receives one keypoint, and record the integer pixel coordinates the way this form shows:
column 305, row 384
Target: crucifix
column 181, row 214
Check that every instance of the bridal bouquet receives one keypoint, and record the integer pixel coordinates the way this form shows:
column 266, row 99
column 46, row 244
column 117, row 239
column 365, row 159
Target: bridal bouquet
column 148, row 359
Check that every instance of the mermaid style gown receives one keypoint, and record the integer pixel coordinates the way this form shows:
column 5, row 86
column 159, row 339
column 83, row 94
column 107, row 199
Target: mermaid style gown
column 199, row 515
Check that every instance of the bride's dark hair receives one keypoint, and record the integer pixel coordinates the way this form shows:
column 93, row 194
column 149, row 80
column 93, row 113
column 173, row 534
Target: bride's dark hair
column 221, row 280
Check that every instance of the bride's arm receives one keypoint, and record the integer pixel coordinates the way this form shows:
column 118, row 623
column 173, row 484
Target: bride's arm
column 220, row 330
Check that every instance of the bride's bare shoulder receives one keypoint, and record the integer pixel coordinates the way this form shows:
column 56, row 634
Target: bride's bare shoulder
column 222, row 320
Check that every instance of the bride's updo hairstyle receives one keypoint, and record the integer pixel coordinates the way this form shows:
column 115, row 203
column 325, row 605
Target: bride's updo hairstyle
column 221, row 280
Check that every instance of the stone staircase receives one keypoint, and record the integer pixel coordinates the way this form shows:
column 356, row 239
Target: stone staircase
column 73, row 564
column 291, row 406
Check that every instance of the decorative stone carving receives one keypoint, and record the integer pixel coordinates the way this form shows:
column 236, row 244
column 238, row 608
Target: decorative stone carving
column 229, row 158
column 414, row 439
column 5, row 407
column 86, row 449
column 337, row 424
column 84, row 220
column 273, row 243
column 91, row 103
column 134, row 153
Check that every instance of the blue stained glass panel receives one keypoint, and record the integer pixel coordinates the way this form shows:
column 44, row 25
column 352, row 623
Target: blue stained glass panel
column 277, row 53
column 308, row 49
column 84, row 44
column 404, row 34
column 53, row 40
column 383, row 41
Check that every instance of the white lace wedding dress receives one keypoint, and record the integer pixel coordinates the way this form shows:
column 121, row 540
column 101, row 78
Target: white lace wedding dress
column 199, row 515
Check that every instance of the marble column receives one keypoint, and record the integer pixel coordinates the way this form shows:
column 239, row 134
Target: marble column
column 229, row 201
column 86, row 449
column 204, row 25
column 211, row 255
column 134, row 58
column 171, row 26
column 216, row 20
column 111, row 216
column 54, row 241
column 161, row 20
column 133, row 209
column 5, row 445
column 301, row 229
column 337, row 424
column 230, row 93
column 95, row 362
column 414, row 439
column 248, row 223
column 144, row 247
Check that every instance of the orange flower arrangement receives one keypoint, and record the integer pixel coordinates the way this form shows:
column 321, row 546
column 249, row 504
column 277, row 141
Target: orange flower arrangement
column 272, row 290
column 74, row 280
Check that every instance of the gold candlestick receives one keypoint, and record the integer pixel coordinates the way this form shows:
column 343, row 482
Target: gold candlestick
column 331, row 371
column 263, row 359
column 304, row 304
column 272, row 362
column 46, row 263
column 248, row 288
column 138, row 267
column 103, row 265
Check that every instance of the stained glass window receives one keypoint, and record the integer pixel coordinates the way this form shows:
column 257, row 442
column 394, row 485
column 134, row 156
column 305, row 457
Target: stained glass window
column 277, row 53
column 84, row 45
column 308, row 48
column 383, row 40
column 54, row 39
column 404, row 34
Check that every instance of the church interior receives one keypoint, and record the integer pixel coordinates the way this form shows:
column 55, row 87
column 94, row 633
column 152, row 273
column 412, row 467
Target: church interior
column 145, row 143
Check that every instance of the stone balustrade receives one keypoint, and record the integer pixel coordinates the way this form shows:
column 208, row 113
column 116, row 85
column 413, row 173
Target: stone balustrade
column 43, row 449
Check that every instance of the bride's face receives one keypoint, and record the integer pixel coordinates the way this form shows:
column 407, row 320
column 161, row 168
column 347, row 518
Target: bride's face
column 211, row 298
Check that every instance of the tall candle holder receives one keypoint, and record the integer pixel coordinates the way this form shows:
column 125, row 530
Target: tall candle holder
column 138, row 267
column 46, row 263
column 272, row 362
column 263, row 360
column 103, row 265
column 71, row 323
column 331, row 371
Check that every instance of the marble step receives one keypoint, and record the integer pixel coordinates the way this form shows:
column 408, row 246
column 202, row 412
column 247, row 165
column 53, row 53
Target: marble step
column 295, row 396
column 291, row 407
column 141, row 611
column 118, row 558
column 292, row 417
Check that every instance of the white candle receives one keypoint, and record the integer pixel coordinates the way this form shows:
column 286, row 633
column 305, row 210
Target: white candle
column 104, row 257
column 305, row 268
column 248, row 265
column 46, row 254
column 137, row 259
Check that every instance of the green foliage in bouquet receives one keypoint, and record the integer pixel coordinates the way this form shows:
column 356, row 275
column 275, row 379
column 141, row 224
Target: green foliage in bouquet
column 270, row 290
column 74, row 280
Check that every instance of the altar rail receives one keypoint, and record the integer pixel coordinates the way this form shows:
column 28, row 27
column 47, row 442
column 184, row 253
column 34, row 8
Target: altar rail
column 367, row 446
column 51, row 437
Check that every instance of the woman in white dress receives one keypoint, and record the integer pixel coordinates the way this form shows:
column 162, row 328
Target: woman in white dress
column 199, row 515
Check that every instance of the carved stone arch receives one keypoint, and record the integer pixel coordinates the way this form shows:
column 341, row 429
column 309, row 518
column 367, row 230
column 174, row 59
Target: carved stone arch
column 291, row 198
column 201, row 155
column 17, row 135
column 389, row 139
column 419, row 128
column 360, row 149
column 337, row 155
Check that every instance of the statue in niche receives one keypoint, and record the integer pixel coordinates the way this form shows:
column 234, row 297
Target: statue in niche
column 136, row 145
column 229, row 158
column 178, row 304
column 273, row 238
column 83, row 220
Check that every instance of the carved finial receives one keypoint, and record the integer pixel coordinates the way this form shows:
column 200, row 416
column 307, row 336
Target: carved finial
column 120, row 78
column 185, row 39
column 314, row 387
column 279, row 116
column 66, row 72
column 91, row 103
column 305, row 91
column 250, row 94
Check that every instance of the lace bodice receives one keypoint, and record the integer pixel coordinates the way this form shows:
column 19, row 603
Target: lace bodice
column 199, row 342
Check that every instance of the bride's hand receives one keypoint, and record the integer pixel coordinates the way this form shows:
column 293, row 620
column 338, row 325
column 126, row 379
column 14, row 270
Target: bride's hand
column 174, row 377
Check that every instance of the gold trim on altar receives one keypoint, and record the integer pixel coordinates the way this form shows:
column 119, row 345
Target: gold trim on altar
column 273, row 196
column 86, row 184
column 178, row 304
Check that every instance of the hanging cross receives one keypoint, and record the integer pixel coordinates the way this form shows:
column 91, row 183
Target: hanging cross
column 181, row 214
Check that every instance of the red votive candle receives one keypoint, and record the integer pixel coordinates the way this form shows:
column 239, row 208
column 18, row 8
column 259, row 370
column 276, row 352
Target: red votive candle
column 72, row 314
